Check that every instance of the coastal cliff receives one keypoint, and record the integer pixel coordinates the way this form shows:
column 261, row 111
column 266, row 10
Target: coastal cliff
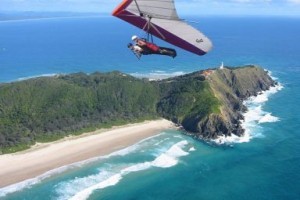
column 225, row 89
column 207, row 104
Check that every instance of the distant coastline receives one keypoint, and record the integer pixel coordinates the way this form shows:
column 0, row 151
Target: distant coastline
column 24, row 16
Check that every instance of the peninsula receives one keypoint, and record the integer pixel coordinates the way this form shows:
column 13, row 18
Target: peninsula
column 36, row 112
column 206, row 103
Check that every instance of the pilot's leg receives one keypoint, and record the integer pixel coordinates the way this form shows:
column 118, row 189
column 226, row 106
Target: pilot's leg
column 168, row 52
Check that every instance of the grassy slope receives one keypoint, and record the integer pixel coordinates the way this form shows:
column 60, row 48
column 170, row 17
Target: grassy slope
column 187, row 99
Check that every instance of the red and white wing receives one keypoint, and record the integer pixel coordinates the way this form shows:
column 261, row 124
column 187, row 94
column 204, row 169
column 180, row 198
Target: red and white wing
column 165, row 23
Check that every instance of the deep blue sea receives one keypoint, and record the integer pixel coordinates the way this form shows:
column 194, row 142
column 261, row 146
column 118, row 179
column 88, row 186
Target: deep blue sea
column 264, row 165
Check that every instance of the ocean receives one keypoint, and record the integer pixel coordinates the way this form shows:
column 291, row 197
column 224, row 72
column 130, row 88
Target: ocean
column 264, row 164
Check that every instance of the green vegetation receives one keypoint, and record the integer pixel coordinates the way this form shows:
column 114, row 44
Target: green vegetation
column 187, row 97
column 49, row 108
column 46, row 109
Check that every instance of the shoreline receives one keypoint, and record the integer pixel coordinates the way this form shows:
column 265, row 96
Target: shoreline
column 255, row 114
column 24, row 19
column 42, row 158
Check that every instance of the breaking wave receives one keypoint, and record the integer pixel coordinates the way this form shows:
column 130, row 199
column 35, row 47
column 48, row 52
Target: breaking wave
column 78, row 188
column 253, row 118
column 87, row 185
column 157, row 75
column 37, row 76
column 31, row 182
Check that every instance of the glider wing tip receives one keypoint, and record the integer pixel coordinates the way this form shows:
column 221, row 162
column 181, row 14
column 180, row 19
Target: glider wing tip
column 121, row 7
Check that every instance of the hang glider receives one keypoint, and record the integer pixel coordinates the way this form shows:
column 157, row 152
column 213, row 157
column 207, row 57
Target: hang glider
column 159, row 18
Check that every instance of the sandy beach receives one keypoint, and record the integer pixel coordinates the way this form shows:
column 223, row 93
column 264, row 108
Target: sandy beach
column 44, row 157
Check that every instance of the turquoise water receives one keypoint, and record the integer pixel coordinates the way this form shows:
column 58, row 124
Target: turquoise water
column 170, row 165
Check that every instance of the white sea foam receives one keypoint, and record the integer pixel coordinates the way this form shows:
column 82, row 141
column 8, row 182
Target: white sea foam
column 136, row 168
column 122, row 152
column 232, row 139
column 67, row 189
column 167, row 159
column 36, row 76
column 161, row 141
column 192, row 149
column 178, row 136
column 30, row 182
column 157, row 75
column 271, row 75
column 259, row 98
column 106, row 177
column 84, row 194
column 268, row 118
column 252, row 118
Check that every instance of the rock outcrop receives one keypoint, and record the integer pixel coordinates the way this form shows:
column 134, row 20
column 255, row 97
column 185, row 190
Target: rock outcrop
column 230, row 86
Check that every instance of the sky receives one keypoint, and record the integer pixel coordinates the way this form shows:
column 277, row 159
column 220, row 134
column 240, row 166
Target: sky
column 184, row 7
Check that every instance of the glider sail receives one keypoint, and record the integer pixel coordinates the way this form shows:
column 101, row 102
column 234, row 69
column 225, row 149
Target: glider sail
column 159, row 18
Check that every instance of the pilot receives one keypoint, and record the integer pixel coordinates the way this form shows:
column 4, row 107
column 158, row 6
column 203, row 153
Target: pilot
column 144, row 47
